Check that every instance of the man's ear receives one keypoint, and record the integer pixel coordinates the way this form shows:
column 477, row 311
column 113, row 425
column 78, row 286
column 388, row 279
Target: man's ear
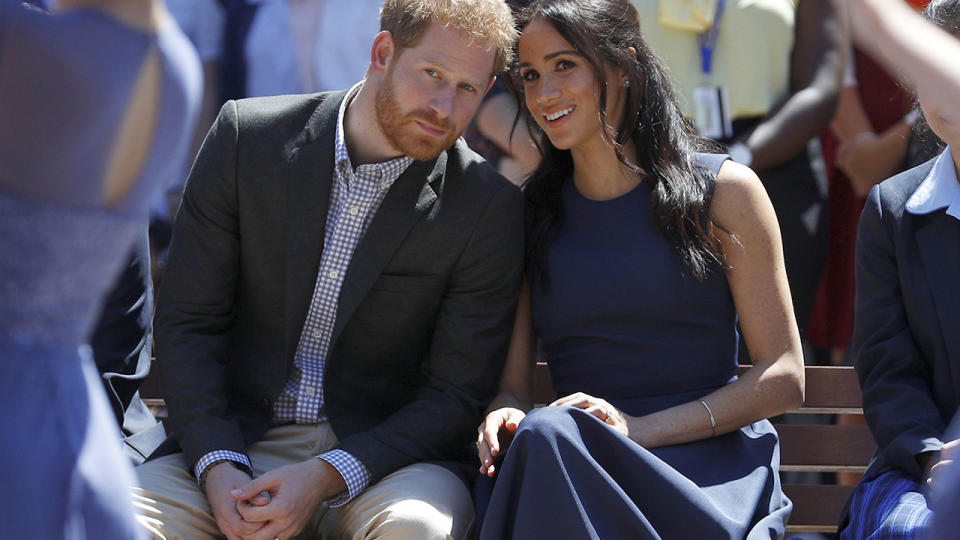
column 382, row 52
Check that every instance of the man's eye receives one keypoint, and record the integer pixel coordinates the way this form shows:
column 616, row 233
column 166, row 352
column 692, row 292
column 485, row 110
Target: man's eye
column 467, row 87
column 431, row 72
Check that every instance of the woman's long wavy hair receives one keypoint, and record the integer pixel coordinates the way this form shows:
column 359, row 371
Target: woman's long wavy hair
column 603, row 31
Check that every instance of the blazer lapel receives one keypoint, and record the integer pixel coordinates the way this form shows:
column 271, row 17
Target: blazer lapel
column 308, row 196
column 939, row 245
column 408, row 200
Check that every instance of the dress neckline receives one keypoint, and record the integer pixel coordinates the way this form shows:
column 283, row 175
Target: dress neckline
column 570, row 185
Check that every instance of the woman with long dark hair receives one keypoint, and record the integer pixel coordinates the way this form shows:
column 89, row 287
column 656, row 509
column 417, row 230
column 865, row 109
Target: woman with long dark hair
column 642, row 253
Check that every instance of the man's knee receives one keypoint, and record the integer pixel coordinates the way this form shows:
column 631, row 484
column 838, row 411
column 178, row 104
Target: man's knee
column 414, row 519
column 169, row 503
column 422, row 501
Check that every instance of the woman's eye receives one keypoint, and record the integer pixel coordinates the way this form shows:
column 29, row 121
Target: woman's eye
column 565, row 65
column 527, row 76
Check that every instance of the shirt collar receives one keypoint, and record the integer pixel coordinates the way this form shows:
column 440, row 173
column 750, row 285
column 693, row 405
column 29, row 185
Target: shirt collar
column 342, row 156
column 940, row 189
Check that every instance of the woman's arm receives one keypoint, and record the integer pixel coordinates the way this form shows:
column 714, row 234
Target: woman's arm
column 758, row 283
column 816, row 75
column 516, row 388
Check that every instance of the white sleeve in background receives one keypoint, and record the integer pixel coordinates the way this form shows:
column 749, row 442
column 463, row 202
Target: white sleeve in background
column 850, row 74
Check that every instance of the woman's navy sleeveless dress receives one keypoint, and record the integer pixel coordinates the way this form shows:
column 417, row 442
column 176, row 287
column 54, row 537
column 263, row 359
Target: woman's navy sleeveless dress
column 65, row 81
column 620, row 317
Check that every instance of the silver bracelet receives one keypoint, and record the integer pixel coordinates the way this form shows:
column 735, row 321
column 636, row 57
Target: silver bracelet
column 713, row 421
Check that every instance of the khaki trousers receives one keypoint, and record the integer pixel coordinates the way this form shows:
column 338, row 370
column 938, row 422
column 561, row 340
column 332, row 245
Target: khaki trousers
column 421, row 501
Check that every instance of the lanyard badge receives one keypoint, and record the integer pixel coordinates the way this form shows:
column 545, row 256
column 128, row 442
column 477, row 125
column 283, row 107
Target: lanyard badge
column 711, row 103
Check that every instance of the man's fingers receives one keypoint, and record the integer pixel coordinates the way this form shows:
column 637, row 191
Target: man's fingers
column 247, row 517
column 261, row 499
column 949, row 449
column 229, row 534
column 939, row 466
column 253, row 488
column 274, row 529
column 260, row 514
column 246, row 528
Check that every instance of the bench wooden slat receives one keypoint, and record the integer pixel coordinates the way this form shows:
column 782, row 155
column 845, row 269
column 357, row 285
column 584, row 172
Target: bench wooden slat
column 832, row 389
column 816, row 508
column 825, row 448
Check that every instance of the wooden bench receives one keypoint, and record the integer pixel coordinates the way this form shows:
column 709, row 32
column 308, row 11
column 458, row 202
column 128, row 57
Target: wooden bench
column 807, row 448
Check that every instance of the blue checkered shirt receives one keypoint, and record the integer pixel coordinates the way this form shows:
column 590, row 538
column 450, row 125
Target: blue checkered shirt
column 355, row 196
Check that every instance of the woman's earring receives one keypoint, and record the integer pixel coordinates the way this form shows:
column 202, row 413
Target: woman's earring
column 626, row 83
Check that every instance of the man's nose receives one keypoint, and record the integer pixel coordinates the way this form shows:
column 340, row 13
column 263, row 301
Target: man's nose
column 442, row 101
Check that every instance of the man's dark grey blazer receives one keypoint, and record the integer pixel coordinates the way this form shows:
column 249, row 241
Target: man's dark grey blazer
column 425, row 311
column 906, row 340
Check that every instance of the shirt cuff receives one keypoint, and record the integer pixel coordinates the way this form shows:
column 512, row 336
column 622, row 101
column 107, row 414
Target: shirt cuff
column 221, row 455
column 354, row 473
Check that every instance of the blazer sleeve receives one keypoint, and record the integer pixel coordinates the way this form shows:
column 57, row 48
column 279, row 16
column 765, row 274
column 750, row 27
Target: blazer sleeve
column 897, row 398
column 467, row 349
column 195, row 307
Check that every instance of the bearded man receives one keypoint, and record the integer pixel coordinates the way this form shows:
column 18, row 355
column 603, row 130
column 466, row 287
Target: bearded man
column 338, row 299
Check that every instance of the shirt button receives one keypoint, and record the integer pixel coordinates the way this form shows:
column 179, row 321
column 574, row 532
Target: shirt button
column 333, row 274
column 317, row 334
column 309, row 390
column 354, row 210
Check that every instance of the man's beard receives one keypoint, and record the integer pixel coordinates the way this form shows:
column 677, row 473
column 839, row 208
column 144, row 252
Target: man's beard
column 401, row 130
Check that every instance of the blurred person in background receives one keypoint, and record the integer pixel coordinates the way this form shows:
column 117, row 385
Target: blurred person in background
column 202, row 21
column 96, row 103
column 762, row 77
column 274, row 47
column 506, row 144
column 905, row 346
column 875, row 134
column 497, row 134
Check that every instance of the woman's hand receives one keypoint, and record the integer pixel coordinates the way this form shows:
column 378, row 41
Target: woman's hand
column 597, row 407
column 499, row 426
